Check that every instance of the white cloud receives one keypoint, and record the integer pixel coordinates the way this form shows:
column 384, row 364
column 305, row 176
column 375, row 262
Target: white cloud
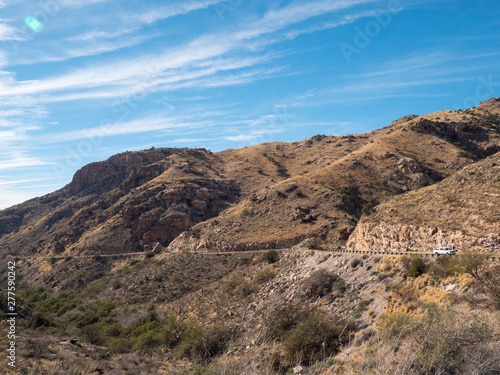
column 80, row 3
column 89, row 49
column 202, row 50
column 168, row 11
column 9, row 33
column 119, row 128
column 19, row 160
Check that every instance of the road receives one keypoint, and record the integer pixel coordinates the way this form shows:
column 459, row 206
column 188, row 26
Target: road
column 341, row 250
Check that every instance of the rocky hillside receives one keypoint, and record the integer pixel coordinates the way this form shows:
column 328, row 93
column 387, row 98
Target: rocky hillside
column 269, row 195
column 327, row 201
column 121, row 205
column 462, row 211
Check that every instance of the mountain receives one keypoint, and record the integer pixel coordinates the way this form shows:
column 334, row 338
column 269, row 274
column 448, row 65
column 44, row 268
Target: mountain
column 268, row 195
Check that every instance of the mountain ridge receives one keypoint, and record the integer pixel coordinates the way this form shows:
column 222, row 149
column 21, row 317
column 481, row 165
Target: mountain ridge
column 267, row 195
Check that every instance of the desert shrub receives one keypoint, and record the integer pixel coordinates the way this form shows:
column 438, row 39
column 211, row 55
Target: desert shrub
column 486, row 277
column 443, row 267
column 417, row 266
column 204, row 343
column 119, row 345
column 134, row 262
column 148, row 341
column 93, row 334
column 246, row 288
column 36, row 347
column 451, row 343
column 315, row 338
column 230, row 285
column 244, row 259
column 381, row 276
column 361, row 307
column 148, row 255
column 173, row 331
column 356, row 262
column 398, row 324
column 271, row 256
column 264, row 275
column 283, row 318
column 92, row 313
column 368, row 209
column 113, row 330
column 320, row 283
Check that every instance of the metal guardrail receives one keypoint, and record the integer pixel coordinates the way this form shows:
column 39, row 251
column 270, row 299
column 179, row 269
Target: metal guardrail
column 493, row 258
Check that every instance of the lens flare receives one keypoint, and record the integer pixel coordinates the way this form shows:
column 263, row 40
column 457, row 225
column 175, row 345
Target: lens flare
column 33, row 24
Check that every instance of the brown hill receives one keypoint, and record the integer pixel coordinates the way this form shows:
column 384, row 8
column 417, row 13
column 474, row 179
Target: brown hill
column 273, row 194
column 121, row 204
column 327, row 200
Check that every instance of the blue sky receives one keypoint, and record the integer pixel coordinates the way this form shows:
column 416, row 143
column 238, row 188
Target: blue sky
column 81, row 80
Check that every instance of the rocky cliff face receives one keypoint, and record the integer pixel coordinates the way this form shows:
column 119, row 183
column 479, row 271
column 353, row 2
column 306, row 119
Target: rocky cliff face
column 402, row 238
column 462, row 211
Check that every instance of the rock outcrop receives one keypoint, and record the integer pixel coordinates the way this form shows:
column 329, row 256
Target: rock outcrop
column 463, row 211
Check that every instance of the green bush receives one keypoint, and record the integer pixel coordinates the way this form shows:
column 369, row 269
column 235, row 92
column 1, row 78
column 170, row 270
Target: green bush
column 93, row 334
column 417, row 266
column 368, row 209
column 316, row 338
column 148, row 341
column 283, row 318
column 119, row 345
column 271, row 256
column 202, row 344
column 173, row 331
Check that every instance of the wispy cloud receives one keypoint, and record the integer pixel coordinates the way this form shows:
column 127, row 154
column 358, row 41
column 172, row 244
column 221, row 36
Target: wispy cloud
column 81, row 3
column 142, row 125
column 168, row 11
column 9, row 33
column 204, row 50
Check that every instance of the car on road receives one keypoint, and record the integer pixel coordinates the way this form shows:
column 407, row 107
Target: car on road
column 444, row 251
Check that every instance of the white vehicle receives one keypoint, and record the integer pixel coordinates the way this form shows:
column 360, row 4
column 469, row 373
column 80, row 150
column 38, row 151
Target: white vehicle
column 444, row 251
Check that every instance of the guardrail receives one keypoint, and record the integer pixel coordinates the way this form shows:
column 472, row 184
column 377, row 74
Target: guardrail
column 493, row 258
